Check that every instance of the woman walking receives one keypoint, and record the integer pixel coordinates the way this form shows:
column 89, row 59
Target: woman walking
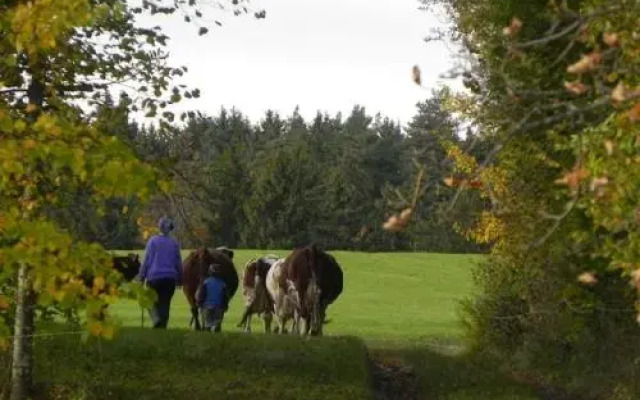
column 162, row 271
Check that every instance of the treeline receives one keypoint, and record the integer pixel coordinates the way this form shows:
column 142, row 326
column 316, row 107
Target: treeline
column 285, row 181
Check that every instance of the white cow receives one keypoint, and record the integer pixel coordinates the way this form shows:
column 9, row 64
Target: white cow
column 285, row 301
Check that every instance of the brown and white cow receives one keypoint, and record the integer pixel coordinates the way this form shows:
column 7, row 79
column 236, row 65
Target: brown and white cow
column 257, row 297
column 284, row 298
column 311, row 279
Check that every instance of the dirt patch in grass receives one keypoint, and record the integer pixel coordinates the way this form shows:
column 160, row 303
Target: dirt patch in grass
column 394, row 381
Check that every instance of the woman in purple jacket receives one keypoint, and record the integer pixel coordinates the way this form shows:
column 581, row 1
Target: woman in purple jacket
column 162, row 271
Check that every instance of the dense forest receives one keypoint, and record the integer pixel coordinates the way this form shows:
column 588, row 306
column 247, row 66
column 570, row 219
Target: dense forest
column 286, row 181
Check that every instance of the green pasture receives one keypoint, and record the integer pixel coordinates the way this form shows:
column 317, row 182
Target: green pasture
column 396, row 309
column 387, row 296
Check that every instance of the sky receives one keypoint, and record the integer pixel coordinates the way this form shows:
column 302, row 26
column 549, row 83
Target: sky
column 326, row 55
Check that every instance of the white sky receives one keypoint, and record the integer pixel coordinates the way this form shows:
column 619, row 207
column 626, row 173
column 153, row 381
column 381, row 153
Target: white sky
column 319, row 54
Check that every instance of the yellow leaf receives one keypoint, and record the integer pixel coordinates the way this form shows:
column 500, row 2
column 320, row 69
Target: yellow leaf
column 609, row 145
column 19, row 125
column 108, row 331
column 29, row 144
column 95, row 328
column 4, row 302
column 98, row 282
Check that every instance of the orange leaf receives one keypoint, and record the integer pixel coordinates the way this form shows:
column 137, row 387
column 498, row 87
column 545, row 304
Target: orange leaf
column 4, row 302
column 587, row 278
column 575, row 87
column 448, row 181
column 415, row 71
column 611, row 39
column 514, row 27
column 585, row 64
column 619, row 94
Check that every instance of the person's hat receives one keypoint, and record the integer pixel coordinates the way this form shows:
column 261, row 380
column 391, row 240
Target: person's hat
column 166, row 225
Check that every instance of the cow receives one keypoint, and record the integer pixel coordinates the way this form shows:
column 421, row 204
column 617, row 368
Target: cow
column 194, row 272
column 314, row 280
column 227, row 251
column 128, row 265
column 284, row 298
column 257, row 298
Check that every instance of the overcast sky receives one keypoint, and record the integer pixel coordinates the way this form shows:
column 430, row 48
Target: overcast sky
column 323, row 55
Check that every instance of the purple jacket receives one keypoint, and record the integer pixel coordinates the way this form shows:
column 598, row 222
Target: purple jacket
column 161, row 260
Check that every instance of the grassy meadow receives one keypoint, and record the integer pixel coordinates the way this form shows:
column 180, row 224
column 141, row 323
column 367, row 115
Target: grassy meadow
column 387, row 296
column 396, row 309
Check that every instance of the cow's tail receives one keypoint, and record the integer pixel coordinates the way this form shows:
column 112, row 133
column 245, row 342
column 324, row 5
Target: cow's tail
column 312, row 256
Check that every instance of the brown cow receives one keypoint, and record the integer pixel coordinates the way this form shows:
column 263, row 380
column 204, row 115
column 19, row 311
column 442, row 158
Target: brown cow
column 194, row 272
column 257, row 298
column 316, row 280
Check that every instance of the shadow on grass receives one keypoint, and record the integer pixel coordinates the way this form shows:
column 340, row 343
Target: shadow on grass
column 444, row 372
column 177, row 364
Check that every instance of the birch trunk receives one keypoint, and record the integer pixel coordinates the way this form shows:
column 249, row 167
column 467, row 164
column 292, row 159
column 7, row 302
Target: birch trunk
column 22, row 361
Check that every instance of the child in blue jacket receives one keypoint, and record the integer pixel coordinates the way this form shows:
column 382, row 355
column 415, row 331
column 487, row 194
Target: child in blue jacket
column 212, row 299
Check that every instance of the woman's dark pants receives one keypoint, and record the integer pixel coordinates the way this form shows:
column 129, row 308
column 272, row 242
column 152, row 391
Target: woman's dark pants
column 159, row 313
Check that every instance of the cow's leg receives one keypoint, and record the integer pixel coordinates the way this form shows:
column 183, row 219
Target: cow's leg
column 278, row 310
column 306, row 319
column 195, row 318
column 295, row 328
column 246, row 320
column 282, row 324
column 267, row 317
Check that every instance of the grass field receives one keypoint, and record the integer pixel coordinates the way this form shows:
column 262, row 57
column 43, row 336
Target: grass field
column 396, row 308
column 387, row 296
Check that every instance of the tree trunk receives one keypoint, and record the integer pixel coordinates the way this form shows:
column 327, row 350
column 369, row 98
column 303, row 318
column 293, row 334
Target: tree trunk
column 22, row 361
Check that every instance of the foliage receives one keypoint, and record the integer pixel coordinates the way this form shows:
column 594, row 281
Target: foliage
column 58, row 62
column 553, row 85
column 289, row 181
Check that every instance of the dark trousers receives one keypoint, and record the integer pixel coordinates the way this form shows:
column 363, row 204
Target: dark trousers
column 159, row 313
column 212, row 318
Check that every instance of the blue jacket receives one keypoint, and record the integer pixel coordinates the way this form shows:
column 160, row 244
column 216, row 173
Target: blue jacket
column 162, row 260
column 212, row 293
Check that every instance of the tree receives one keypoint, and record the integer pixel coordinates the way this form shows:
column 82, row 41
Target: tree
column 57, row 61
column 552, row 85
